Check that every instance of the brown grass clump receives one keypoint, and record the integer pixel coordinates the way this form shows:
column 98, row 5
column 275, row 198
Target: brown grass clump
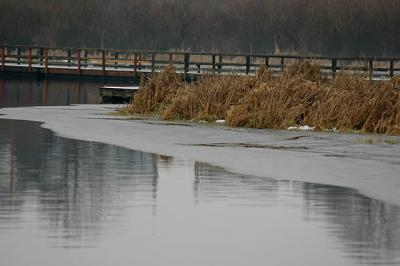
column 210, row 98
column 304, row 70
column 280, row 102
column 299, row 96
column 157, row 93
column 357, row 103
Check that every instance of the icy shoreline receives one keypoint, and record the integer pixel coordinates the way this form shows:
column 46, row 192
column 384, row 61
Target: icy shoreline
column 327, row 158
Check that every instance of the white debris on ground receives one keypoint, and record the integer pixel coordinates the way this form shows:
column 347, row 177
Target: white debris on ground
column 220, row 121
column 302, row 128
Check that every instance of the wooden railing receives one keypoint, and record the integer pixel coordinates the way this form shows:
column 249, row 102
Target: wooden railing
column 76, row 60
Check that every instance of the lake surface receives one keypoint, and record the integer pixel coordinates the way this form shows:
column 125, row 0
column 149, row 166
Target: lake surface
column 31, row 92
column 71, row 202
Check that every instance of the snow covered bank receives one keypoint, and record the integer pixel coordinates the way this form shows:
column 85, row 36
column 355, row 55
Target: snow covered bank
column 328, row 158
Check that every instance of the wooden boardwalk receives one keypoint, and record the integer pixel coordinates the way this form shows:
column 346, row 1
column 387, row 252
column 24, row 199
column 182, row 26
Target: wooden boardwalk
column 129, row 64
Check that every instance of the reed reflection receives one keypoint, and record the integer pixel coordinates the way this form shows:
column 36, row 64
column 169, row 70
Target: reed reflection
column 368, row 229
column 75, row 191
column 75, row 186
column 212, row 182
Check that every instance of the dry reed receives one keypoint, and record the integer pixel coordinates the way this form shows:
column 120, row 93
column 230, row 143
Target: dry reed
column 300, row 96
column 157, row 93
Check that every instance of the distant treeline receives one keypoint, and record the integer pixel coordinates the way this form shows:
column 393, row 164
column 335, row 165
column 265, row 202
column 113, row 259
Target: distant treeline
column 319, row 27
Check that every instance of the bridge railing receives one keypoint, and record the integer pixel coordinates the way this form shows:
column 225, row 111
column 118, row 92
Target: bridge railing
column 187, row 63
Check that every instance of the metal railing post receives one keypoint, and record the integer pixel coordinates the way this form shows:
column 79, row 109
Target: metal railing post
column 41, row 52
column 30, row 59
column 186, row 63
column 79, row 60
column 213, row 63
column 135, row 61
column 46, row 60
column 371, row 67
column 3, row 57
column 391, row 70
column 19, row 55
column 69, row 55
column 248, row 64
column 103, row 61
column 334, row 66
column 219, row 64
column 153, row 62
column 86, row 59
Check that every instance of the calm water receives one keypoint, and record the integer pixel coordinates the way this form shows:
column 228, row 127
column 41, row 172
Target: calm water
column 24, row 92
column 70, row 202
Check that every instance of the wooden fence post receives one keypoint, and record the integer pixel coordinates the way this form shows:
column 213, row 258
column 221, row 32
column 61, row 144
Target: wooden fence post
column 248, row 64
column 46, row 60
column 267, row 62
column 30, row 59
column 170, row 59
column 282, row 63
column 391, row 70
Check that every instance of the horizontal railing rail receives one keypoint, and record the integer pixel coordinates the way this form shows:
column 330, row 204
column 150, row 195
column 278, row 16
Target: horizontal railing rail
column 113, row 60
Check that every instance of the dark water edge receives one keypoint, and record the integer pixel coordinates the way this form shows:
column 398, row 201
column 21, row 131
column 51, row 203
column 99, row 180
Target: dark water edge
column 32, row 92
column 72, row 201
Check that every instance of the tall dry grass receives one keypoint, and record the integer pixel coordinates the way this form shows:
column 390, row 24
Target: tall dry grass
column 157, row 93
column 209, row 98
column 300, row 96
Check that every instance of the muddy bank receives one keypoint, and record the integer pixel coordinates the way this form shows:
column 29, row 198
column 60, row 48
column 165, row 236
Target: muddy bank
column 348, row 160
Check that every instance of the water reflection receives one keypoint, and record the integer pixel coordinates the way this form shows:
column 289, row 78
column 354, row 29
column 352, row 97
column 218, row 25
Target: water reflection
column 28, row 92
column 72, row 185
column 215, row 183
column 60, row 193
column 369, row 230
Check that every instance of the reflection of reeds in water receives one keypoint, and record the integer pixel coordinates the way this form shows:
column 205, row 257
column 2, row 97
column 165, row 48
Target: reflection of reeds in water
column 300, row 96
column 75, row 187
column 213, row 182
column 370, row 229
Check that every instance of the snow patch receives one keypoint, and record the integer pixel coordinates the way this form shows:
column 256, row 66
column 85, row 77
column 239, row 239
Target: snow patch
column 302, row 128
